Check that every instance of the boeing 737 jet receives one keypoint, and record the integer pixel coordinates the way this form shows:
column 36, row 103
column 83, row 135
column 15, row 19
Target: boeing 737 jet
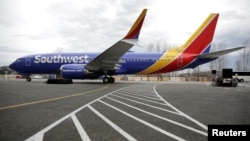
column 118, row 60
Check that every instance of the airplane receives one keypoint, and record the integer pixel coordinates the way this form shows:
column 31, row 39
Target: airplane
column 118, row 60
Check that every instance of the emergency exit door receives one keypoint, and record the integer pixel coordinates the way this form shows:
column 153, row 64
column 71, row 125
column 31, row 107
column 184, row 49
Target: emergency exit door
column 27, row 61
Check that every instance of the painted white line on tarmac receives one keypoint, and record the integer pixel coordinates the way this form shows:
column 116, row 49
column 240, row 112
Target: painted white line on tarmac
column 146, row 123
column 39, row 135
column 140, row 95
column 141, row 98
column 177, row 110
column 117, row 128
column 149, row 105
column 160, row 117
column 81, row 131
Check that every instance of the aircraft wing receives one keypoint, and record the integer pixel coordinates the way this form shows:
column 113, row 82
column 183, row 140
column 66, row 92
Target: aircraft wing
column 109, row 59
column 217, row 54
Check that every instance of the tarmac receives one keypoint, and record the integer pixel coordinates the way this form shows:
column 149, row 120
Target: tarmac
column 90, row 110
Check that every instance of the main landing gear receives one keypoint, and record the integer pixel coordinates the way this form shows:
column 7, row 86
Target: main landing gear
column 108, row 79
column 28, row 78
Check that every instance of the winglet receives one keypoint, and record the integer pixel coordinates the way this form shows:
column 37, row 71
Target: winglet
column 135, row 29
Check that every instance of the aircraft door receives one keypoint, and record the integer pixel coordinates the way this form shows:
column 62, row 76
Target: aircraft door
column 27, row 61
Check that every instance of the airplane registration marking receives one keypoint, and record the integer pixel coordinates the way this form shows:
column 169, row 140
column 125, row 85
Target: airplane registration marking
column 116, row 98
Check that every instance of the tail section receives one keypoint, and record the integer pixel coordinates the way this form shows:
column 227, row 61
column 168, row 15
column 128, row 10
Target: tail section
column 135, row 29
column 198, row 43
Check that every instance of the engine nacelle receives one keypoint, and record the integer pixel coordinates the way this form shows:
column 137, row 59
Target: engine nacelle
column 74, row 71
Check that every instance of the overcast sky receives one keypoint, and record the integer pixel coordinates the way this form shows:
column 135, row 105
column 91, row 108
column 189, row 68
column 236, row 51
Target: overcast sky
column 43, row 26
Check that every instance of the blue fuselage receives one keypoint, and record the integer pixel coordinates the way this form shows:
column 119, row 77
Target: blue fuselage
column 129, row 63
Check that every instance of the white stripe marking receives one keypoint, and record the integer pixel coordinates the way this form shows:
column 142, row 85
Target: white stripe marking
column 149, row 105
column 177, row 110
column 117, row 128
column 160, row 117
column 155, row 98
column 81, row 131
column 140, row 93
column 39, row 135
column 146, row 123
column 141, row 99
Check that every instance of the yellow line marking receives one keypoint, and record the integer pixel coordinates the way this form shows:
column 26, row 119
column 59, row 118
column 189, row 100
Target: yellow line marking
column 52, row 99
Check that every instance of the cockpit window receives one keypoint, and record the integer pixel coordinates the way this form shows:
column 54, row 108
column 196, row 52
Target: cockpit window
column 18, row 60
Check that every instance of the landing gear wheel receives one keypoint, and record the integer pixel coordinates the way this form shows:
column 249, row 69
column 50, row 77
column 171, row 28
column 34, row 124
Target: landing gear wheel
column 28, row 79
column 111, row 80
column 27, row 76
column 105, row 80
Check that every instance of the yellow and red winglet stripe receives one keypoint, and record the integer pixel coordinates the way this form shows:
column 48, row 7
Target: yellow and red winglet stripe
column 135, row 29
column 195, row 45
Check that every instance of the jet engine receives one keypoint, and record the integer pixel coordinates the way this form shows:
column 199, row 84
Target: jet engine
column 74, row 71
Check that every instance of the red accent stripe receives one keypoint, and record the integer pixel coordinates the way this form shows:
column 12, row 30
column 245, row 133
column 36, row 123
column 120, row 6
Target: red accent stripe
column 134, row 34
column 196, row 47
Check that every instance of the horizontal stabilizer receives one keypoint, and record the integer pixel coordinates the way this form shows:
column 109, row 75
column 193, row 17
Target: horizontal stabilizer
column 217, row 54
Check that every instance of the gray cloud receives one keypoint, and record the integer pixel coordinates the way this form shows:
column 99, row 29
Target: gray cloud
column 82, row 27
column 234, row 28
column 91, row 25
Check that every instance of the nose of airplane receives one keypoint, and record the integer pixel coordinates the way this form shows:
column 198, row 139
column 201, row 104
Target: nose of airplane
column 12, row 66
